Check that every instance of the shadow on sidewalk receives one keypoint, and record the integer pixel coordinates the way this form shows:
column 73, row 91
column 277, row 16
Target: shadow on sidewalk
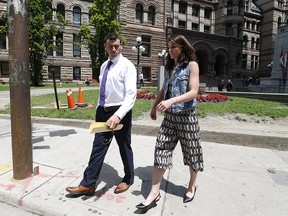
column 109, row 176
column 145, row 174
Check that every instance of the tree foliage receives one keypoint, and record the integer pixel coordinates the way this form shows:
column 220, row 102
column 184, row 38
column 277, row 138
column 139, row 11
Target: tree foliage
column 41, row 32
column 4, row 22
column 103, row 18
column 40, row 37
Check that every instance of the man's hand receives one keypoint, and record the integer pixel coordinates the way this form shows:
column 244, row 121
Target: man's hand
column 113, row 121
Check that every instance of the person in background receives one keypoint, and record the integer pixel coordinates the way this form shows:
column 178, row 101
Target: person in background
column 221, row 85
column 229, row 85
column 177, row 99
column 117, row 97
column 141, row 78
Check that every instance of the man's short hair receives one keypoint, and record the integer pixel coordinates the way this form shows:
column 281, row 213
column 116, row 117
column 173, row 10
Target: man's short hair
column 113, row 36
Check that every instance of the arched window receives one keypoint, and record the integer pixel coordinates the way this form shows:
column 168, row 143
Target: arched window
column 279, row 22
column 229, row 7
column 139, row 13
column 151, row 15
column 77, row 16
column 61, row 10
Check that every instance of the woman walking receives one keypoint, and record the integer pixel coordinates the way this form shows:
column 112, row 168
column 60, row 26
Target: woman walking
column 177, row 99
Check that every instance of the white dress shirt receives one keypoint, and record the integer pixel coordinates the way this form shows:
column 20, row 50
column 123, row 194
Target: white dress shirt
column 121, row 86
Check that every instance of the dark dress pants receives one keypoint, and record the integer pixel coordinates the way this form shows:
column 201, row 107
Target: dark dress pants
column 100, row 147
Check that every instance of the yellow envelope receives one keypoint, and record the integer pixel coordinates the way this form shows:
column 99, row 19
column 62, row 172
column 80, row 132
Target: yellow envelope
column 98, row 127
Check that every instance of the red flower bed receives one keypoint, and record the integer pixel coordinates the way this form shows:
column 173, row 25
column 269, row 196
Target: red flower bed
column 212, row 98
column 147, row 94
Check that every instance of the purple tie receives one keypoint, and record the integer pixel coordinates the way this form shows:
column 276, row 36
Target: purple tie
column 103, row 84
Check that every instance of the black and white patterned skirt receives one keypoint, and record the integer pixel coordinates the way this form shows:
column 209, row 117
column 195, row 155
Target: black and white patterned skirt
column 184, row 127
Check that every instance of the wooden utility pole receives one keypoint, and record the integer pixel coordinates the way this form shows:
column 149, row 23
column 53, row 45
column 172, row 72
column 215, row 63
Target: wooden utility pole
column 20, row 89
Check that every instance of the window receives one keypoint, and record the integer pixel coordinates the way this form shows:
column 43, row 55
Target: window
column 206, row 29
column 245, row 38
column 4, row 69
column 248, row 24
column 279, row 22
column 76, row 46
column 246, row 5
column 147, row 73
column 139, row 13
column 59, row 44
column 229, row 29
column 207, row 13
column 146, row 43
column 182, row 24
column 77, row 16
column 56, row 70
column 229, row 7
column 2, row 41
column 280, row 3
column 252, row 62
column 182, row 7
column 195, row 10
column 257, row 44
column 244, row 61
column 76, row 73
column 61, row 10
column 253, row 43
column 195, row 26
column 151, row 15
column 258, row 27
column 256, row 62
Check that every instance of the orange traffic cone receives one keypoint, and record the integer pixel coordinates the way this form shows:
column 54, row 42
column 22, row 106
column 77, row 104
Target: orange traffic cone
column 81, row 102
column 70, row 99
column 80, row 96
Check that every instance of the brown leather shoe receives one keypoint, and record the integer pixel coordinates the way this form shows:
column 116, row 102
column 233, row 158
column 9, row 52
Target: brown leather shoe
column 122, row 187
column 81, row 190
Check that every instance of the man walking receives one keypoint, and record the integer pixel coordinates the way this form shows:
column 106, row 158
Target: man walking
column 117, row 96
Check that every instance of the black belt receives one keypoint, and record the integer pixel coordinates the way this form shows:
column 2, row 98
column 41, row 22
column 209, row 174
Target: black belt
column 110, row 109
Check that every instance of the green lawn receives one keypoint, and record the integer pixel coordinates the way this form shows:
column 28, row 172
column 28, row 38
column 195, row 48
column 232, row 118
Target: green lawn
column 42, row 106
column 5, row 87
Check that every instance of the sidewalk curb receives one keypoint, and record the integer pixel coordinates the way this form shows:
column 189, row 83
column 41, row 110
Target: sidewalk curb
column 258, row 141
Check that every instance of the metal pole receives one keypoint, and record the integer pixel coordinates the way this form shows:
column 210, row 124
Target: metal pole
column 138, row 60
column 19, row 79
column 55, row 89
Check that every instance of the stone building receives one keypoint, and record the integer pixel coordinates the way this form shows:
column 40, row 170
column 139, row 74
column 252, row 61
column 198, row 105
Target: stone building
column 70, row 61
column 216, row 36
column 251, row 39
column 232, row 38
column 273, row 16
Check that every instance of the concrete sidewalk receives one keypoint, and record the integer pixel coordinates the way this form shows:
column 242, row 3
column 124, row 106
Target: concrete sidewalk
column 237, row 180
